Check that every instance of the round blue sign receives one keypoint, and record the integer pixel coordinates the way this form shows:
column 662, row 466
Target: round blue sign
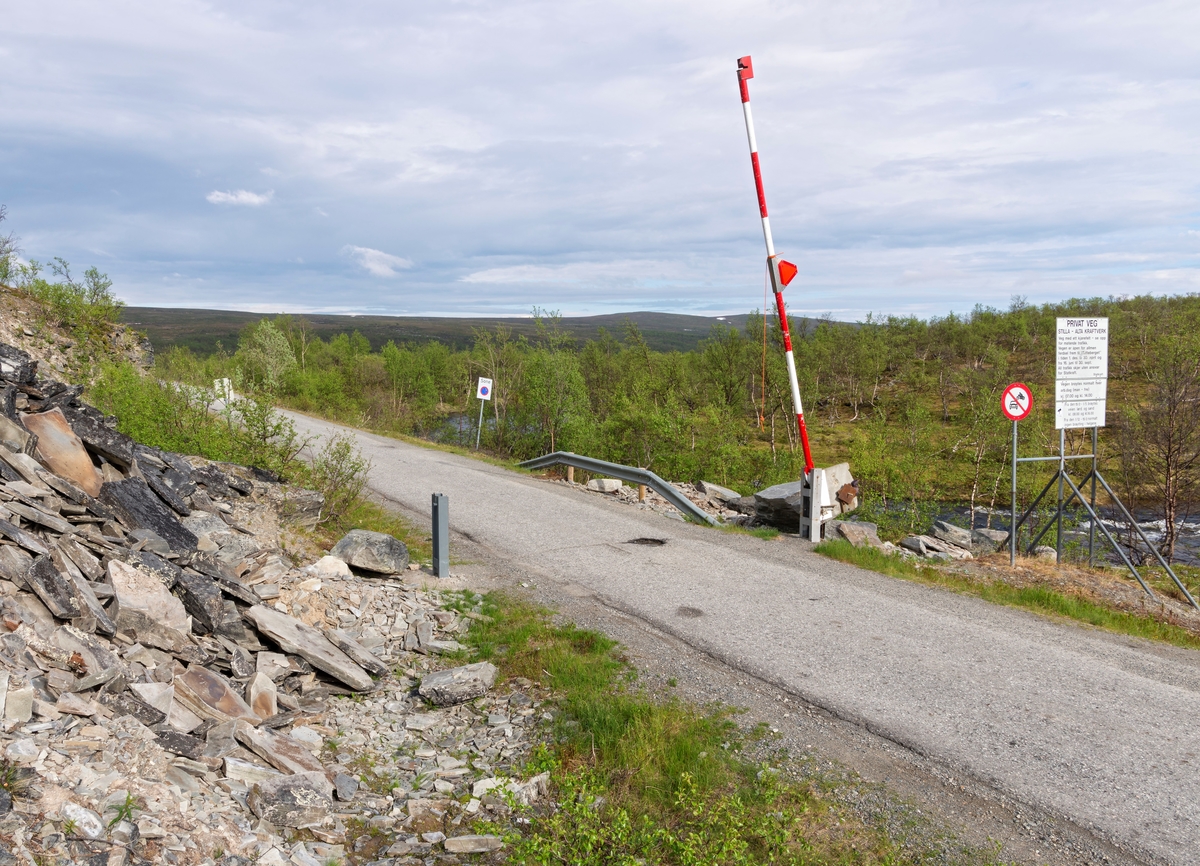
column 484, row 390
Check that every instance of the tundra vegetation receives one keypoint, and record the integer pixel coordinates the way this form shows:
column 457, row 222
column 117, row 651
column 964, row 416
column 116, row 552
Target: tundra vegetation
column 913, row 404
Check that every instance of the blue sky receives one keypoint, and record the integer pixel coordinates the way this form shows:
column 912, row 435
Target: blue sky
column 483, row 158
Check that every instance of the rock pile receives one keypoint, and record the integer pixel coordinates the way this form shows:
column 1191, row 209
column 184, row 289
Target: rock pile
column 949, row 542
column 170, row 680
column 944, row 541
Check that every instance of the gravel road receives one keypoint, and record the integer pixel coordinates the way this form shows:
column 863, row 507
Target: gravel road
column 1092, row 731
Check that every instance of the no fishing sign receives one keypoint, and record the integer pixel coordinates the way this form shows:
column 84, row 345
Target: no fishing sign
column 1016, row 403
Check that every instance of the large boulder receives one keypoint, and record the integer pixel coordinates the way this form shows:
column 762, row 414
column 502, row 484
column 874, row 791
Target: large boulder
column 781, row 505
column 372, row 551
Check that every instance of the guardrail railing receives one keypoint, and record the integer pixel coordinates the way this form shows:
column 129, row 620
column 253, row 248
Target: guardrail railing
column 625, row 473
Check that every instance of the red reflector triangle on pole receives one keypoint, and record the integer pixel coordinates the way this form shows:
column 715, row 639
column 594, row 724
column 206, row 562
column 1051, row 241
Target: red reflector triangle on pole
column 787, row 272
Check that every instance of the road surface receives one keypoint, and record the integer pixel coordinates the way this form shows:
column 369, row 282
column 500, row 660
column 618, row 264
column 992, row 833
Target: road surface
column 1102, row 730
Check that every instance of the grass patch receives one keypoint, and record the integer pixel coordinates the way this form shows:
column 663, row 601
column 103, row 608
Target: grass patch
column 650, row 779
column 1034, row 598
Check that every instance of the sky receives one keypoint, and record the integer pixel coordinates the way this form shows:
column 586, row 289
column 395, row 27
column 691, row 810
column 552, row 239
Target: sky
column 472, row 158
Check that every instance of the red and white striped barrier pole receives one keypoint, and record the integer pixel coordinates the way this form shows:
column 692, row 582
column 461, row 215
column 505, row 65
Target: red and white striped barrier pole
column 781, row 272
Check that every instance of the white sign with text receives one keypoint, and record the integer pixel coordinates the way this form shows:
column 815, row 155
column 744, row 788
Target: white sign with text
column 1081, row 376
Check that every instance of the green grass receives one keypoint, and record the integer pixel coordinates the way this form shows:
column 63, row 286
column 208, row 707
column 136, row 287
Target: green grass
column 642, row 778
column 1033, row 598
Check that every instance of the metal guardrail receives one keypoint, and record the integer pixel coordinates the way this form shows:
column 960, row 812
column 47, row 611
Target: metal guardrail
column 625, row 473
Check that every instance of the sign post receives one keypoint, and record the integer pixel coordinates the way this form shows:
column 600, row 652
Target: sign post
column 1016, row 403
column 484, row 392
column 1080, row 397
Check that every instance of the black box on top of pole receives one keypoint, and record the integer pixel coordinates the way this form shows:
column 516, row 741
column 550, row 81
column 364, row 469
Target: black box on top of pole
column 441, row 535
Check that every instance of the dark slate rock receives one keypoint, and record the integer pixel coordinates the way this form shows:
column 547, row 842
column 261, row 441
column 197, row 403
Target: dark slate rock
column 7, row 472
column 168, row 495
column 201, row 598
column 139, row 508
column 16, row 366
column 178, row 463
column 8, row 401
column 98, row 437
column 127, row 704
column 181, row 744
column 214, row 481
column 21, row 537
column 372, row 551
column 181, row 484
column 165, row 570
column 55, row 591
column 301, row 800
column 211, row 565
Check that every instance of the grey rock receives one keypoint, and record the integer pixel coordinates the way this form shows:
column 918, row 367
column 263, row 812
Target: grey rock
column 860, row 534
column 87, row 823
column 345, row 786
column 128, row 705
column 220, row 740
column 139, row 508
column 604, row 485
column 16, row 365
column 298, row 801
column 915, row 544
column 305, row 641
column 181, row 744
column 169, row 497
column 204, row 523
column 55, row 591
column 14, row 563
column 279, row 750
column 473, row 844
column 148, row 539
column 201, row 598
column 372, row 551
column 717, row 493
column 952, row 534
column 144, row 607
column 363, row 656
column 781, row 505
column 985, row 541
column 454, row 686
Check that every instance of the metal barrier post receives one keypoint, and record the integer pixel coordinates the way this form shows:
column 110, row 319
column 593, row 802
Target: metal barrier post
column 441, row 535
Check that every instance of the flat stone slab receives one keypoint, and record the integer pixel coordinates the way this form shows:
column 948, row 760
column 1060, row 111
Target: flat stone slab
column 143, row 606
column 363, row 656
column 279, row 750
column 302, row 800
column 62, row 451
column 140, row 508
column 372, row 551
column 305, row 641
column 454, row 686
column 209, row 696
column 781, row 505
column 473, row 844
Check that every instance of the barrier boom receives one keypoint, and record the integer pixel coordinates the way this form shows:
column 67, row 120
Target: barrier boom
column 781, row 272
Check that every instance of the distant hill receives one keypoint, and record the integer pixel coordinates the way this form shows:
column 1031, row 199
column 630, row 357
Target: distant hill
column 201, row 330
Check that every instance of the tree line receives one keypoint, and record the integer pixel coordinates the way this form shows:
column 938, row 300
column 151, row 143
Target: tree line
column 913, row 404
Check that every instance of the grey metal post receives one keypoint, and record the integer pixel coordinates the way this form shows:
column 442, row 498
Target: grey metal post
column 1012, row 526
column 1062, row 468
column 1092, row 531
column 441, row 535
column 479, row 429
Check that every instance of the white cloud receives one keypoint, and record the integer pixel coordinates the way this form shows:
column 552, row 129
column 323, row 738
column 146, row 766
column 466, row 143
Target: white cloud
column 241, row 196
column 377, row 262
